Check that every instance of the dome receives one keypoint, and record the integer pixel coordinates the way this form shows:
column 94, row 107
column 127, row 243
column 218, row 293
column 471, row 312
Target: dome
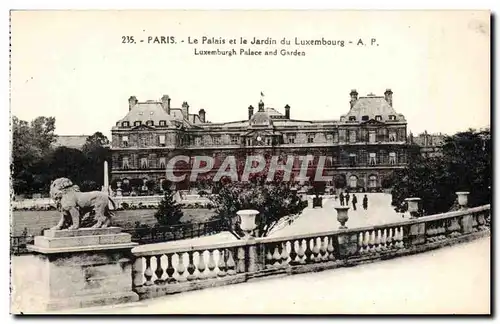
column 261, row 118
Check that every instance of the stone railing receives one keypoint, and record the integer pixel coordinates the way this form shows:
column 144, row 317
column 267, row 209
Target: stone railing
column 158, row 270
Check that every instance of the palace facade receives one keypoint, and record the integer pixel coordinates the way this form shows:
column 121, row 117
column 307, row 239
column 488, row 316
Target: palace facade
column 363, row 146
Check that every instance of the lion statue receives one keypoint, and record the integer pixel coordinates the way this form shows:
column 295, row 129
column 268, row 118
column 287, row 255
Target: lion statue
column 80, row 209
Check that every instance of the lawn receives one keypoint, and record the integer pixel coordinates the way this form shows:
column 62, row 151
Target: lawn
column 35, row 221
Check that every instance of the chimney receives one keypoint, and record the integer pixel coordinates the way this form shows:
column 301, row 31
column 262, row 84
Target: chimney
column 132, row 101
column 261, row 105
column 165, row 103
column 185, row 109
column 201, row 113
column 250, row 112
column 354, row 97
column 388, row 96
column 287, row 112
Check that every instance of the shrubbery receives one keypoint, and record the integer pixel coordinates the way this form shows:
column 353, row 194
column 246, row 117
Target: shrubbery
column 273, row 201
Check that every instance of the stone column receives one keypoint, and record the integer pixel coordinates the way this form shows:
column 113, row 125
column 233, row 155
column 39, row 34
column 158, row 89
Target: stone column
column 106, row 178
column 79, row 268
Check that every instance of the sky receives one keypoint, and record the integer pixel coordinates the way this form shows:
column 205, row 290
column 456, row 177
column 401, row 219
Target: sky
column 73, row 65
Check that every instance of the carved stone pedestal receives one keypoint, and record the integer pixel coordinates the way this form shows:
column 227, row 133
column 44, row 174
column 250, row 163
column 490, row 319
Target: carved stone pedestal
column 79, row 268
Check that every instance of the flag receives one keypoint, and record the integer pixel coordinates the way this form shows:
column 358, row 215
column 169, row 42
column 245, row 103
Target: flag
column 262, row 94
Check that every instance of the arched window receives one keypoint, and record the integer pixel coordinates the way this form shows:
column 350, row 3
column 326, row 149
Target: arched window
column 372, row 181
column 353, row 181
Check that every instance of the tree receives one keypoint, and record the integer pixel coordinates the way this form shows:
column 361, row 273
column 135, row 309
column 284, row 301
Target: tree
column 464, row 166
column 97, row 151
column 31, row 142
column 273, row 201
column 169, row 211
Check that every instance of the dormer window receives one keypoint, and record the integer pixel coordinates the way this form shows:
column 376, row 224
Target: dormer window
column 378, row 117
column 137, row 123
column 352, row 118
column 163, row 123
column 365, row 118
column 392, row 117
column 150, row 123
column 125, row 124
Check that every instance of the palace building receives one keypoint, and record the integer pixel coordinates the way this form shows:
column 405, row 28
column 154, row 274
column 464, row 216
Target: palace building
column 363, row 146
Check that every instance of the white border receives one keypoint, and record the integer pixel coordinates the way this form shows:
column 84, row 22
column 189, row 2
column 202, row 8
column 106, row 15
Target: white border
column 200, row 4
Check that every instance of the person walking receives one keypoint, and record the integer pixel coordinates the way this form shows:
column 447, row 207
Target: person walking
column 347, row 197
column 365, row 202
column 354, row 201
column 341, row 199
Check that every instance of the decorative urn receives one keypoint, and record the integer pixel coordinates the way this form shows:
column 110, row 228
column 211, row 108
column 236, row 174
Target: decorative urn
column 462, row 198
column 413, row 206
column 247, row 217
column 342, row 215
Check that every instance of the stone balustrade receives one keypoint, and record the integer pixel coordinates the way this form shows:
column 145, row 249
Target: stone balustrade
column 159, row 271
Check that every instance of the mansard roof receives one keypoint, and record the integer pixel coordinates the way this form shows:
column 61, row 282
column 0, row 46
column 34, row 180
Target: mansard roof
column 372, row 106
column 144, row 111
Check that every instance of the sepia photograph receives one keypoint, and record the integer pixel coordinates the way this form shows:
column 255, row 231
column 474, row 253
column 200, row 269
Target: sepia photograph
column 261, row 162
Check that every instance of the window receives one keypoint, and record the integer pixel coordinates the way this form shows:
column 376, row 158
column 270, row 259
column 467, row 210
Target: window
column 372, row 136
column 144, row 163
column 150, row 123
column 235, row 139
column 352, row 136
column 125, row 124
column 392, row 136
column 365, row 118
column 342, row 135
column 197, row 141
column 373, row 159
column 329, row 137
column 378, row 117
column 125, row 140
column 352, row 118
column 291, row 138
column 352, row 159
column 163, row 122
column 137, row 123
column 162, row 140
column 310, row 138
column 249, row 141
column 125, row 164
column 162, row 163
column 372, row 181
column 392, row 117
column 353, row 181
column 392, row 158
column 217, row 140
